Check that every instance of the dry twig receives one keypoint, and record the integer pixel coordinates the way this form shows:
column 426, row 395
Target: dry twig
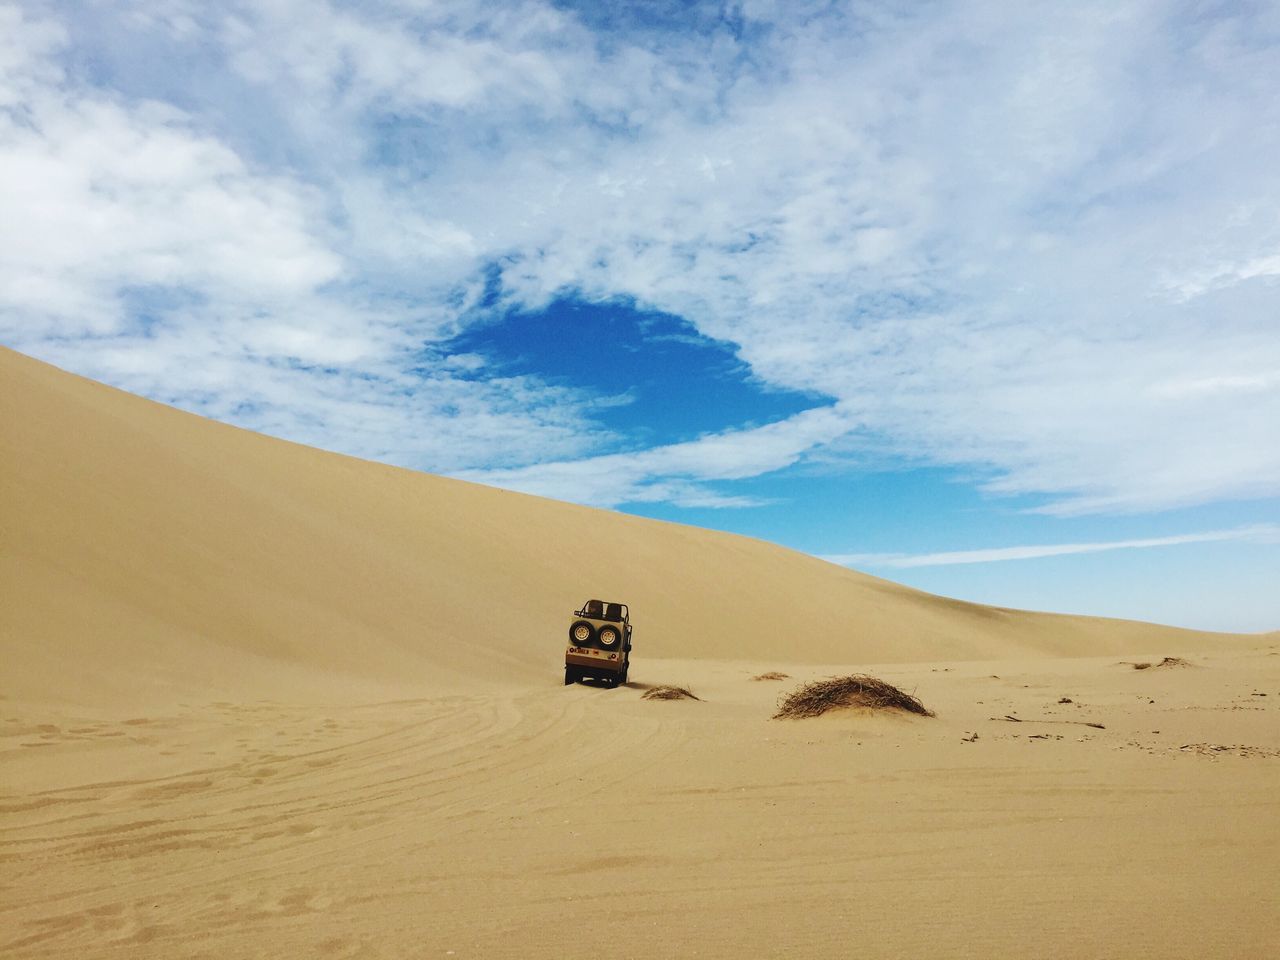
column 1078, row 723
column 1166, row 662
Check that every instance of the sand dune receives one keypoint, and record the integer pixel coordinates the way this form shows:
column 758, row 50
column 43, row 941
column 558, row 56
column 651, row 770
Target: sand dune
column 159, row 553
column 264, row 701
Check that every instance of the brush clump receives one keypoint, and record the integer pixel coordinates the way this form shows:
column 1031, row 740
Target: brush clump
column 857, row 690
column 668, row 693
column 772, row 675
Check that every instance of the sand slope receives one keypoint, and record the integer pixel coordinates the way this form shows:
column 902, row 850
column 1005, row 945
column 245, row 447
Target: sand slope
column 155, row 553
column 262, row 701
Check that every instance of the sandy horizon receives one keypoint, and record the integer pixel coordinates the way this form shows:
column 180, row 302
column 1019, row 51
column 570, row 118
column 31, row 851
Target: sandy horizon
column 262, row 700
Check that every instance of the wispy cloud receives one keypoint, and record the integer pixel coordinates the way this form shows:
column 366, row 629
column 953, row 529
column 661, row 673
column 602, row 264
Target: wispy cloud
column 1039, row 239
column 1262, row 533
column 681, row 473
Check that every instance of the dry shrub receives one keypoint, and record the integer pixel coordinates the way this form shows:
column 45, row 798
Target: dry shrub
column 772, row 675
column 668, row 693
column 1166, row 662
column 854, row 691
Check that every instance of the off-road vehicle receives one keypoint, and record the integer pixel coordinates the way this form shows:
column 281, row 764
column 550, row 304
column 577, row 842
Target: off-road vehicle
column 599, row 643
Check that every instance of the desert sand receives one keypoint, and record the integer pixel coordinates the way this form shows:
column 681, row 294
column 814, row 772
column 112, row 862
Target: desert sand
column 259, row 700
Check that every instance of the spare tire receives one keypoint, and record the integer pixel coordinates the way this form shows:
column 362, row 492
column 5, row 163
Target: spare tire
column 581, row 633
column 608, row 637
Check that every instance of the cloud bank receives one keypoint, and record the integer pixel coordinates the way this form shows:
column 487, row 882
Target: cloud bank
column 1038, row 243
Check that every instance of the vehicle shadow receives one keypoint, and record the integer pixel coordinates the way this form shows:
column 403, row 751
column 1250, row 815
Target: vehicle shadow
column 604, row 684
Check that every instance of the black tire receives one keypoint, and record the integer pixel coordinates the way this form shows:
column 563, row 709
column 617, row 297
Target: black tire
column 607, row 638
column 577, row 628
column 570, row 675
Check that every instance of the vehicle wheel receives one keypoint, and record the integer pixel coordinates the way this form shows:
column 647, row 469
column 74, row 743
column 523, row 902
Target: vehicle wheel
column 608, row 637
column 570, row 676
column 581, row 633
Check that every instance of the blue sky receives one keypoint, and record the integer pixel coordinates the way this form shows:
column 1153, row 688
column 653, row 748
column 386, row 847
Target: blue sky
column 981, row 297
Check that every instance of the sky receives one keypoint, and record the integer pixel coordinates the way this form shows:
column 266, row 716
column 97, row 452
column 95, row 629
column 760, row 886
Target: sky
column 981, row 297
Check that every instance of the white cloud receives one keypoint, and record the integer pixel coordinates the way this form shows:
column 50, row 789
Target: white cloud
column 101, row 198
column 1207, row 386
column 25, row 49
column 1254, row 534
column 677, row 473
column 1214, row 276
column 1039, row 239
column 138, row 248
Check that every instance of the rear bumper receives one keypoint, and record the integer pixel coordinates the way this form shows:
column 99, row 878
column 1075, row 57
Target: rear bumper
column 595, row 660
